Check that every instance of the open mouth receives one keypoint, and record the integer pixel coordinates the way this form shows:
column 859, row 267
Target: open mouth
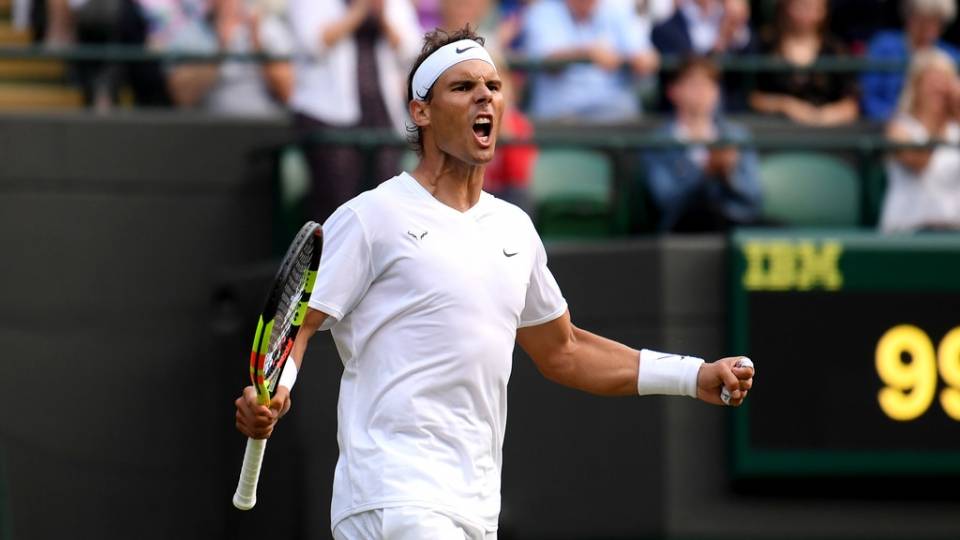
column 482, row 128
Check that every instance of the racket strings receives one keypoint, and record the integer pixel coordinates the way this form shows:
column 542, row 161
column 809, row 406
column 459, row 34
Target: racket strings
column 287, row 308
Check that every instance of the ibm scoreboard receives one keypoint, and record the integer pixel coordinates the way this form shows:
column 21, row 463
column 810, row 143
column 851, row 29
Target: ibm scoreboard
column 856, row 339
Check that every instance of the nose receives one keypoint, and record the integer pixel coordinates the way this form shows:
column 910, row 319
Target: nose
column 483, row 94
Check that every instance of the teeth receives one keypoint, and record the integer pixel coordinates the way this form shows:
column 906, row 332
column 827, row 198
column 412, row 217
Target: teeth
column 483, row 121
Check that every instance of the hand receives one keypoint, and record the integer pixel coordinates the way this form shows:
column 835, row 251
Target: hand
column 645, row 63
column 723, row 374
column 722, row 162
column 800, row 111
column 736, row 16
column 605, row 57
column 255, row 420
column 253, row 26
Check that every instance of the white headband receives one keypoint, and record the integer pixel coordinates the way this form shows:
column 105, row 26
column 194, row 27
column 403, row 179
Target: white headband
column 443, row 59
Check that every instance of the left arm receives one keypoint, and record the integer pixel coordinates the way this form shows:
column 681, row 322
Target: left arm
column 579, row 359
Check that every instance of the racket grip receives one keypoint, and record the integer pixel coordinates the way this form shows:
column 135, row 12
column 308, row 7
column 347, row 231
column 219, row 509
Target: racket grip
column 246, row 496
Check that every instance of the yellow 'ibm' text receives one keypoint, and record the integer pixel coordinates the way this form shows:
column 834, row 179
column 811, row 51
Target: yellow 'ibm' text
column 784, row 265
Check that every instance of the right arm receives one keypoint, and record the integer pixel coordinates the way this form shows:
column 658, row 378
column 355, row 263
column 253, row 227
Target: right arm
column 346, row 25
column 317, row 27
column 257, row 421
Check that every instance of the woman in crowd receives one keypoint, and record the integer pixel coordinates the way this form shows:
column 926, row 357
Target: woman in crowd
column 799, row 36
column 924, row 23
column 923, row 190
column 355, row 55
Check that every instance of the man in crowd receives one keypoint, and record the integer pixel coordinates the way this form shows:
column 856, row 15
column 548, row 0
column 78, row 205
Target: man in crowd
column 702, row 188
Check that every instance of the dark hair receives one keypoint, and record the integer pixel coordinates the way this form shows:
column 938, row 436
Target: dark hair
column 431, row 42
column 774, row 32
column 696, row 63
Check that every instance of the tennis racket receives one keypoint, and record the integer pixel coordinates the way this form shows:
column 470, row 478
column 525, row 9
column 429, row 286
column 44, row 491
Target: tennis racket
column 277, row 329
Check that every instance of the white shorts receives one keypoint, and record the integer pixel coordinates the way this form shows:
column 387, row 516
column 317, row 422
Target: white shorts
column 407, row 523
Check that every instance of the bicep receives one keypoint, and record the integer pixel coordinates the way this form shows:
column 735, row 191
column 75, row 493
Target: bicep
column 543, row 342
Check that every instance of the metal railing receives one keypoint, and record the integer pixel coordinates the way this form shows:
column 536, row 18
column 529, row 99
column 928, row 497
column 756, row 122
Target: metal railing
column 136, row 53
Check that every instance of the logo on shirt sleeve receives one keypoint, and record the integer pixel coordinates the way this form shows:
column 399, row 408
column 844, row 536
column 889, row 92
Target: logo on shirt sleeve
column 417, row 236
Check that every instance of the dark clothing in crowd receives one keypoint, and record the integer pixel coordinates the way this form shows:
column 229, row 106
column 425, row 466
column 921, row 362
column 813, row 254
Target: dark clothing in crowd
column 817, row 88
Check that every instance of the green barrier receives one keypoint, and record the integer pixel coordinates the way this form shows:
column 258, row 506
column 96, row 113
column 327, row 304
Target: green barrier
column 622, row 147
column 133, row 53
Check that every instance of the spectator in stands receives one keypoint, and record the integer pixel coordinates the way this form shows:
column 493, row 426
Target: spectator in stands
column 509, row 175
column 64, row 23
column 699, row 188
column 925, row 22
column 360, row 53
column 598, row 33
column 704, row 27
column 799, row 36
column 231, row 87
column 709, row 27
column 924, row 184
column 482, row 15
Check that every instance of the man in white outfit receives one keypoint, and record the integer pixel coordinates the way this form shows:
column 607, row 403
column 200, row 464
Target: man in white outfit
column 426, row 283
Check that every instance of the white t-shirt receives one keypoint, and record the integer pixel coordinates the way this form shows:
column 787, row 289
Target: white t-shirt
column 424, row 304
column 931, row 197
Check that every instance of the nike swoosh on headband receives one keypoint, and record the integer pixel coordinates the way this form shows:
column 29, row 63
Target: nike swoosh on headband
column 465, row 49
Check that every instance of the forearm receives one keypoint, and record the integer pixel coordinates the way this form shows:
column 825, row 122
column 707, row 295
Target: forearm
column 338, row 30
column 571, row 54
column 593, row 364
column 841, row 112
column 311, row 323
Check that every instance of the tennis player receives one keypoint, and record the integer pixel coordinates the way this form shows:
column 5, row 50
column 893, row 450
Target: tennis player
column 426, row 283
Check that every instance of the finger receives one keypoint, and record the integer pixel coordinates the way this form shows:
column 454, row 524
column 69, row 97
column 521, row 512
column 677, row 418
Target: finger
column 738, row 401
column 728, row 379
column 265, row 413
column 745, row 372
column 746, row 384
column 250, row 395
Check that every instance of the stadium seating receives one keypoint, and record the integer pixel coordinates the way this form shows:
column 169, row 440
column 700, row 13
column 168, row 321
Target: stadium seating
column 572, row 193
column 30, row 84
column 810, row 190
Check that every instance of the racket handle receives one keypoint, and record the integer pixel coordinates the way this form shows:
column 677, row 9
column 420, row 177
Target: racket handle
column 246, row 496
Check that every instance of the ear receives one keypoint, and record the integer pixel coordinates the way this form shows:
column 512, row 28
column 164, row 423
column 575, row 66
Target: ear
column 420, row 113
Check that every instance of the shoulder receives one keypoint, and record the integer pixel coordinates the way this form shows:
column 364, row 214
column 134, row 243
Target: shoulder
column 949, row 49
column 832, row 46
column 676, row 23
column 886, row 42
column 379, row 203
column 507, row 210
column 540, row 13
column 662, row 156
column 733, row 130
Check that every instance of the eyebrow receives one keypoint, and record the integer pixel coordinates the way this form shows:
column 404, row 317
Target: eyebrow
column 455, row 82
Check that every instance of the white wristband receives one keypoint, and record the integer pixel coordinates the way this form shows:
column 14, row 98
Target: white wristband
column 289, row 375
column 667, row 374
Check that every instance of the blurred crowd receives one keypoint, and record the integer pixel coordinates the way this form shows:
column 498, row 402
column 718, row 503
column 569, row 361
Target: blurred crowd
column 346, row 62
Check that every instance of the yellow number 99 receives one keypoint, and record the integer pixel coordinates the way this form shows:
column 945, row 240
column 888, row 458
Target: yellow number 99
column 911, row 386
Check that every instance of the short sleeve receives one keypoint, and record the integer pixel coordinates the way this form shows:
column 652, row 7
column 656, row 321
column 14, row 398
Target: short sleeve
column 346, row 267
column 544, row 301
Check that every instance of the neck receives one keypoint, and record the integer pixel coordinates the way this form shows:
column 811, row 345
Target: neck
column 801, row 33
column 451, row 181
column 697, row 126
